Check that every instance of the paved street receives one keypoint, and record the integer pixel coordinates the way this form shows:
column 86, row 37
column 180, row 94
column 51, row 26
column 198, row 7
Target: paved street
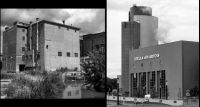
column 148, row 105
column 113, row 104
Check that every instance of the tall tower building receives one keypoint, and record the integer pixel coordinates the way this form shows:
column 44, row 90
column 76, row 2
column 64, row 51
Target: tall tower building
column 138, row 32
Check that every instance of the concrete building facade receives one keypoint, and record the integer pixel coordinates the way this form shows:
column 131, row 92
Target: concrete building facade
column 42, row 45
column 138, row 32
column 166, row 70
column 14, row 43
column 53, row 46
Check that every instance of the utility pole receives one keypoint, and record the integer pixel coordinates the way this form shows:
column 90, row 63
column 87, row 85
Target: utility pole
column 166, row 89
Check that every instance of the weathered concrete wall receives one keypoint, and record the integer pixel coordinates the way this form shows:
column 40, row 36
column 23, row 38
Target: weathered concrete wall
column 9, row 50
column 20, row 43
column 60, row 39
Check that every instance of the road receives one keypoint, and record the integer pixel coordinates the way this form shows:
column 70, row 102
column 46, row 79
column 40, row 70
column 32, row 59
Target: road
column 113, row 104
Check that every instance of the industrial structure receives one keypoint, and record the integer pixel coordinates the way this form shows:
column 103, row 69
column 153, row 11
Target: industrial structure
column 14, row 40
column 164, row 71
column 137, row 33
column 91, row 42
column 41, row 45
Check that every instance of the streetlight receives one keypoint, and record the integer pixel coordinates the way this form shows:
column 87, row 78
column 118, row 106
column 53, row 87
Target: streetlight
column 117, row 91
column 166, row 88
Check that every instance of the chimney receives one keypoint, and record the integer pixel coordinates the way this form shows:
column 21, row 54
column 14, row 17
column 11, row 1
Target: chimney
column 63, row 22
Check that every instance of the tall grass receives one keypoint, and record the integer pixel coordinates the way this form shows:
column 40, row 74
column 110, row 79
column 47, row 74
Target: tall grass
column 50, row 85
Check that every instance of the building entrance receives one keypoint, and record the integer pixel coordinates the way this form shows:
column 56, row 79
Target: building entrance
column 152, row 82
column 21, row 67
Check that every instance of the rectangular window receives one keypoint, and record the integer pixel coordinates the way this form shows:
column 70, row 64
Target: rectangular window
column 68, row 54
column 76, row 54
column 23, row 48
column 23, row 38
column 59, row 53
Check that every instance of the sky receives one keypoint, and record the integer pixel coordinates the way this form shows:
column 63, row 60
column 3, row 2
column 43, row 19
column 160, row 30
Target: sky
column 178, row 20
column 88, row 20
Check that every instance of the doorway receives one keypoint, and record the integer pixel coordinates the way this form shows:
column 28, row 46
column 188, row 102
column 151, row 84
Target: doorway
column 21, row 67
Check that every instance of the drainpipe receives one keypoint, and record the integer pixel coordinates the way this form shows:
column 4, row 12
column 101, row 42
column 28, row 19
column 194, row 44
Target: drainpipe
column 37, row 19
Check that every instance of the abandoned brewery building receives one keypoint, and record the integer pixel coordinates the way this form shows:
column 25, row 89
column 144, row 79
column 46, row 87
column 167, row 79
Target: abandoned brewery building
column 165, row 71
column 43, row 45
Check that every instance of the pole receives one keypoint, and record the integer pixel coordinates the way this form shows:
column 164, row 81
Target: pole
column 117, row 93
column 166, row 92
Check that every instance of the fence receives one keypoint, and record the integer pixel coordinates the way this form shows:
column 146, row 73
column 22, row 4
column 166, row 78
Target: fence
column 190, row 100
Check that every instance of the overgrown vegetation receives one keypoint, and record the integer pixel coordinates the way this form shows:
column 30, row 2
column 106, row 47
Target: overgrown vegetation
column 94, row 68
column 44, row 85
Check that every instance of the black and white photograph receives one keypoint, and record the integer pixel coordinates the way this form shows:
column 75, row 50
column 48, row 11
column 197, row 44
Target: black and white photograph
column 53, row 54
column 128, row 53
column 152, row 53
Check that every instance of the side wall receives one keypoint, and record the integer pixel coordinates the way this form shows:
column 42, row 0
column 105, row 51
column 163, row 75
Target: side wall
column 130, row 39
column 190, row 65
column 21, row 42
column 60, row 39
column 9, row 50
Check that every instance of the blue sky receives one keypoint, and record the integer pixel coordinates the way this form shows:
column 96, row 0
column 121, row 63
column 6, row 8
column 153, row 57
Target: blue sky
column 178, row 20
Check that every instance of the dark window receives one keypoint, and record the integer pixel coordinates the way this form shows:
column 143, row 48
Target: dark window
column 26, row 56
column 23, row 30
column 97, row 47
column 68, row 54
column 142, row 65
column 59, row 53
column 23, row 38
column 76, row 54
column 23, row 48
column 47, row 46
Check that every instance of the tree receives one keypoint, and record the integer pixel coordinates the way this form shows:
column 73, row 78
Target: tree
column 94, row 70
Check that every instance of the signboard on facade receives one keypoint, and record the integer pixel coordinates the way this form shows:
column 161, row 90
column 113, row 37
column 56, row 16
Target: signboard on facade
column 146, row 57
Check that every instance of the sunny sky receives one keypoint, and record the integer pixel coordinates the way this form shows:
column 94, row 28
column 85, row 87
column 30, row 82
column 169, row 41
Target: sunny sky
column 178, row 20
